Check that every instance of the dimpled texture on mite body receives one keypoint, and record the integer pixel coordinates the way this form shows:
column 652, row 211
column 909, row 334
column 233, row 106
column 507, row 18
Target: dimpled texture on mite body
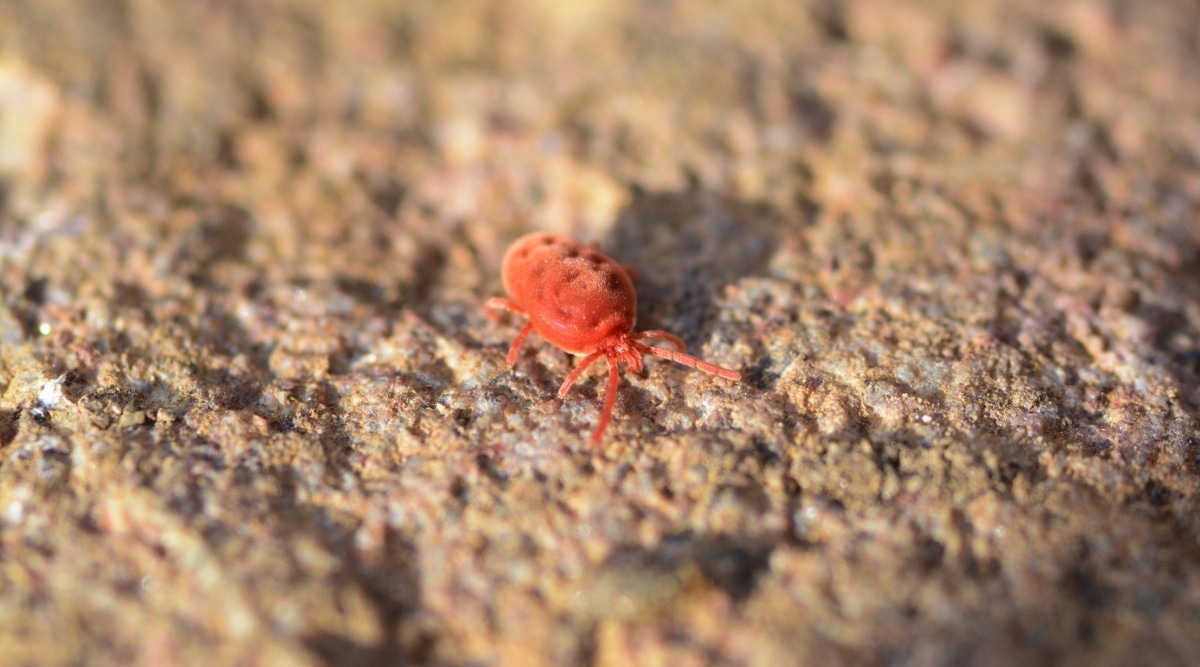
column 575, row 296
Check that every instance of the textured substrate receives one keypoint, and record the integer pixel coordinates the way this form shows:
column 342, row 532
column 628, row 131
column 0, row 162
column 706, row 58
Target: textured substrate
column 252, row 411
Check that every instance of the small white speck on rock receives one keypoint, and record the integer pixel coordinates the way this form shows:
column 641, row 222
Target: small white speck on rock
column 50, row 393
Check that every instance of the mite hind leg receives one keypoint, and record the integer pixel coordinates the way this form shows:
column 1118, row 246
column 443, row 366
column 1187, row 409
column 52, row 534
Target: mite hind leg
column 516, row 344
column 496, row 304
column 492, row 308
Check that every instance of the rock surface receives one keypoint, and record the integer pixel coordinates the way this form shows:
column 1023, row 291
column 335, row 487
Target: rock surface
column 252, row 411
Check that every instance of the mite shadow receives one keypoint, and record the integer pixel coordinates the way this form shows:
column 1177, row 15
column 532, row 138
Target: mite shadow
column 687, row 247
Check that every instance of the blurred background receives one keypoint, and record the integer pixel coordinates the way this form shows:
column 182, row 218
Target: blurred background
column 251, row 411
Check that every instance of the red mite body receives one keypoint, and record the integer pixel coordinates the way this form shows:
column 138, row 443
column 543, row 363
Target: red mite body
column 583, row 302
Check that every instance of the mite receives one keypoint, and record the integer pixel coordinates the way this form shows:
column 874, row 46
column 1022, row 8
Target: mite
column 583, row 302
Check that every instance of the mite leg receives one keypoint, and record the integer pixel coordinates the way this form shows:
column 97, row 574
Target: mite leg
column 661, row 335
column 690, row 361
column 587, row 361
column 512, row 349
column 496, row 303
column 610, row 399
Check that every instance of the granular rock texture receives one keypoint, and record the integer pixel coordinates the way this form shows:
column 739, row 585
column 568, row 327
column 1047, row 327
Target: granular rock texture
column 252, row 411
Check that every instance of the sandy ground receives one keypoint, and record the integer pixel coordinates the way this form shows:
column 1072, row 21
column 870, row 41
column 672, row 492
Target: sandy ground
column 252, row 411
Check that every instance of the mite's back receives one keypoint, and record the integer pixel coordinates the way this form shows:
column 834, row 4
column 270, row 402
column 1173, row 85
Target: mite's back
column 574, row 295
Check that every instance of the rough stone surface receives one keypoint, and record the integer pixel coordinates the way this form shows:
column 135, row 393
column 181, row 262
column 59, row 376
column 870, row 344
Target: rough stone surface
column 252, row 411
